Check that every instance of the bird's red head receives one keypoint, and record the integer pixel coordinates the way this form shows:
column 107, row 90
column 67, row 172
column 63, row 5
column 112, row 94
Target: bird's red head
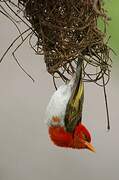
column 79, row 139
column 82, row 138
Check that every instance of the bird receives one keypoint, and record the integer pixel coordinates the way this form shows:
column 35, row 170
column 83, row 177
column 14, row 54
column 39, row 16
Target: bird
column 64, row 115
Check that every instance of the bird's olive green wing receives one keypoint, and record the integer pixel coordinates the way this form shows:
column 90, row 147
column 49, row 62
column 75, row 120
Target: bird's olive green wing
column 74, row 107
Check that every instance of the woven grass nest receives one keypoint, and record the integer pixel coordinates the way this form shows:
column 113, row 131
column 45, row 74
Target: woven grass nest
column 67, row 32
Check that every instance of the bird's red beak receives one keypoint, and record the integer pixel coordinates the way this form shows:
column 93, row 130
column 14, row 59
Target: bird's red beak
column 89, row 146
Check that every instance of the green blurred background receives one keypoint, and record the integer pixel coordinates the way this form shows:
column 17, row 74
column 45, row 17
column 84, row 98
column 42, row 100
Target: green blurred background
column 113, row 28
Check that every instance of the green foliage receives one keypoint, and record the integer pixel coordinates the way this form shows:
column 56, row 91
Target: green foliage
column 112, row 8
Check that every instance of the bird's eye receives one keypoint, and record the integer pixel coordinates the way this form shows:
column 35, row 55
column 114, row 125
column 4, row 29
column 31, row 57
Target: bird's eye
column 85, row 137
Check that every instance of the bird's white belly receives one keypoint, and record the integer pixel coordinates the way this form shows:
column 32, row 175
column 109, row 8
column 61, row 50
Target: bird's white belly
column 57, row 105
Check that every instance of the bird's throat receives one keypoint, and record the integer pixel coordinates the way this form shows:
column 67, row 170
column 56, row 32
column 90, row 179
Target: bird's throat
column 60, row 137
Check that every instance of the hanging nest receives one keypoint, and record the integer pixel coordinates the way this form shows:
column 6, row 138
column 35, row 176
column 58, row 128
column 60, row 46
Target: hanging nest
column 67, row 32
